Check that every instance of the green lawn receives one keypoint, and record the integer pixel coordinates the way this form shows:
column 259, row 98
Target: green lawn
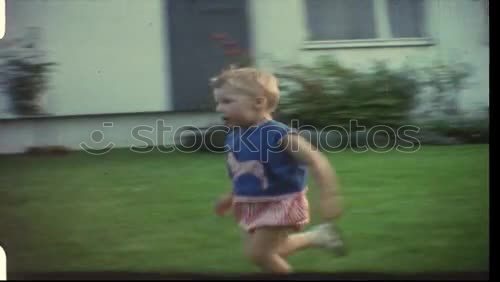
column 124, row 211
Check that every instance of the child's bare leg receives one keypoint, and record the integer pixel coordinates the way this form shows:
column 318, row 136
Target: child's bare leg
column 324, row 235
column 263, row 249
column 296, row 242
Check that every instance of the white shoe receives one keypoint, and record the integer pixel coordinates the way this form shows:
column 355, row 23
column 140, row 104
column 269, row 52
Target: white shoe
column 328, row 235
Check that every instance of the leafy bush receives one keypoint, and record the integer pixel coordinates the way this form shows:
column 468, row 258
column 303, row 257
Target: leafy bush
column 328, row 93
column 461, row 129
column 24, row 74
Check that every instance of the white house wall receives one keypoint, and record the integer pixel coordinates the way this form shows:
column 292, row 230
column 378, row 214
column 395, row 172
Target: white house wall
column 111, row 54
column 458, row 30
column 17, row 135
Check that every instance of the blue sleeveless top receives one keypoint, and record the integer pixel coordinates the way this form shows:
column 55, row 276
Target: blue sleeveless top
column 260, row 169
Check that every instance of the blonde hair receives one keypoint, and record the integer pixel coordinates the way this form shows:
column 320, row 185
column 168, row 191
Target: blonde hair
column 250, row 80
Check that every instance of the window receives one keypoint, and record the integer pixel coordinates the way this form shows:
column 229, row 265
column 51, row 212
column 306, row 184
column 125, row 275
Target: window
column 340, row 20
column 406, row 18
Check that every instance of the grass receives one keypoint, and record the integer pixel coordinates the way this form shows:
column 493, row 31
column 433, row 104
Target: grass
column 124, row 211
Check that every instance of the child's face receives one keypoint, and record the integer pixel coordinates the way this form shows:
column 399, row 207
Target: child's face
column 238, row 109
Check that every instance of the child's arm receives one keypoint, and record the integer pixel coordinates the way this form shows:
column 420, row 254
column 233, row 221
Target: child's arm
column 323, row 173
column 224, row 204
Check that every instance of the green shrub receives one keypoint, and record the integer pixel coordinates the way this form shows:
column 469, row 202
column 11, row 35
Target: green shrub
column 328, row 93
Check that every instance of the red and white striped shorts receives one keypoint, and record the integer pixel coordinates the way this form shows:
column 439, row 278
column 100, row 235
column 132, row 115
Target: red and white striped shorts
column 292, row 211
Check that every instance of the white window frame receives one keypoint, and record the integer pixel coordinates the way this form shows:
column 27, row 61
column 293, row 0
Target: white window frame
column 382, row 29
column 3, row 16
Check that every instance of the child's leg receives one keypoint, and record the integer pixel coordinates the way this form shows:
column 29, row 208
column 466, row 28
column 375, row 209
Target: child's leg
column 263, row 247
column 324, row 235
column 296, row 242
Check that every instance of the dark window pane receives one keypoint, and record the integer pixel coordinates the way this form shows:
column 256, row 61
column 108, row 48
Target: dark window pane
column 340, row 19
column 406, row 18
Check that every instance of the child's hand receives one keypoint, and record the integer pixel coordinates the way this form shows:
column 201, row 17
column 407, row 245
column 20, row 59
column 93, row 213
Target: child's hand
column 331, row 207
column 223, row 205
